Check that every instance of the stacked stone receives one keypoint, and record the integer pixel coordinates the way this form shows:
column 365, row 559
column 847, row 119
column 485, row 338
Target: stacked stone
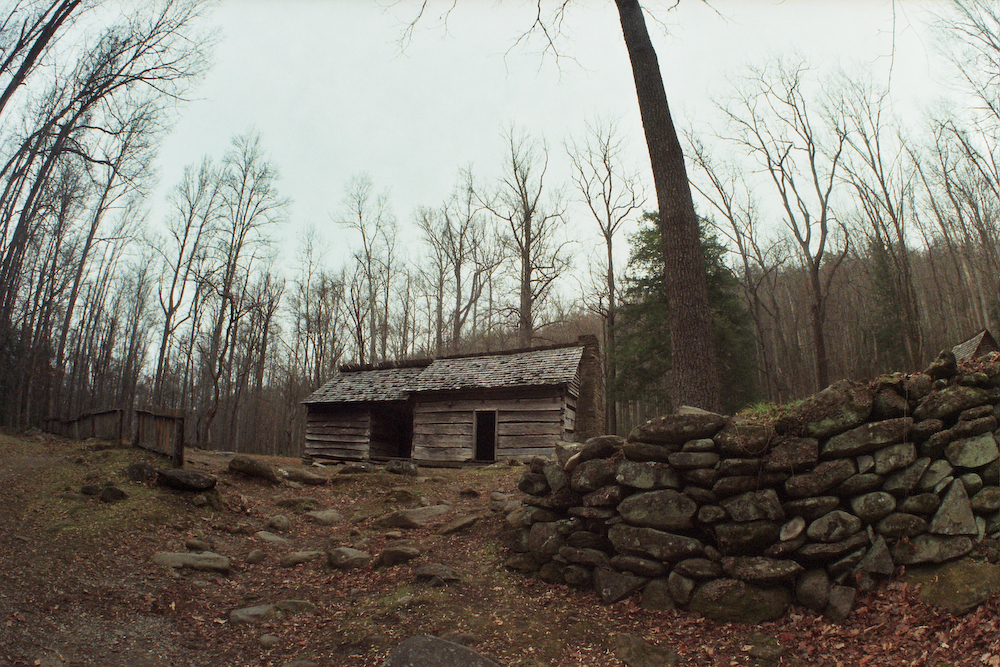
column 735, row 518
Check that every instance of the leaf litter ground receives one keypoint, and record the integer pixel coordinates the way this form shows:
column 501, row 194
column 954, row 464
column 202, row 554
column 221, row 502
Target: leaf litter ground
column 79, row 586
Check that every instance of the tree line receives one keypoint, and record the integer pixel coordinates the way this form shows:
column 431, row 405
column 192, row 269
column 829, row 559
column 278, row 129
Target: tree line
column 838, row 241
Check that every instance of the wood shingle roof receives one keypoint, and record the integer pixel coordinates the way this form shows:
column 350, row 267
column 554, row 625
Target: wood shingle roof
column 528, row 368
column 387, row 384
column 535, row 368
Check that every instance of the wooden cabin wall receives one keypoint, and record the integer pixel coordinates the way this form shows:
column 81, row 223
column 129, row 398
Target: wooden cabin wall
column 527, row 426
column 569, row 419
column 338, row 433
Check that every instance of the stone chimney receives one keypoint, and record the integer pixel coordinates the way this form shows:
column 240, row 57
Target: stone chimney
column 590, row 403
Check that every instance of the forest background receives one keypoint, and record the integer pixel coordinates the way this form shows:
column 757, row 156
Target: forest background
column 840, row 240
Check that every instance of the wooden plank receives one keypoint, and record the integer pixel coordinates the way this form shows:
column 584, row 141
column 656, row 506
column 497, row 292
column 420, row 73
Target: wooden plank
column 538, row 428
column 326, row 440
column 442, row 414
column 337, row 450
column 331, row 457
column 443, row 429
column 523, row 410
column 337, row 416
column 442, row 454
column 458, row 420
column 527, row 441
column 545, row 403
column 344, row 446
column 359, row 417
column 443, row 418
column 441, row 440
column 336, row 430
column 554, row 412
column 340, row 419
column 339, row 456
column 335, row 438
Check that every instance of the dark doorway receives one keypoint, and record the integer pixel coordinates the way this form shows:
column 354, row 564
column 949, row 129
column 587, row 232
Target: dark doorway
column 486, row 435
column 391, row 433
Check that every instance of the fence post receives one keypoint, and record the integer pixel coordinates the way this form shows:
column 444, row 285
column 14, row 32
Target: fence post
column 178, row 438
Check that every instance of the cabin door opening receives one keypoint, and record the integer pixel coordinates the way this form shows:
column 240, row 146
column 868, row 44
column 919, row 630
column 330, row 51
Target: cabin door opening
column 391, row 432
column 486, row 435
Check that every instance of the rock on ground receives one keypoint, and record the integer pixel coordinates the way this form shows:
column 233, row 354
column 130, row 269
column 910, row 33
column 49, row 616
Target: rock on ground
column 637, row 652
column 202, row 561
column 185, row 480
column 250, row 467
column 427, row 651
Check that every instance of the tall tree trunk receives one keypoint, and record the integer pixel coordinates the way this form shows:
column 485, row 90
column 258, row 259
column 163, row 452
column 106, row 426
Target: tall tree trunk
column 525, row 316
column 692, row 348
column 610, row 350
column 818, row 319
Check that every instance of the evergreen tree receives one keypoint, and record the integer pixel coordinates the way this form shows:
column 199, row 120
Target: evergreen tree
column 643, row 348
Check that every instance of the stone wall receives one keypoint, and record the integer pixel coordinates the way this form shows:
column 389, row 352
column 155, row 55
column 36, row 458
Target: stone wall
column 735, row 518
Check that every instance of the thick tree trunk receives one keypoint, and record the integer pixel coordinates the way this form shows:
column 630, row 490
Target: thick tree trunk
column 692, row 348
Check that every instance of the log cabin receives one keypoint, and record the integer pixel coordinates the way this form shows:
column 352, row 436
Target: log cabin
column 461, row 409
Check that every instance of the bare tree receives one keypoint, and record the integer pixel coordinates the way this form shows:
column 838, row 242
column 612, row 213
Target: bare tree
column 970, row 38
column 876, row 166
column 464, row 254
column 96, row 116
column 195, row 203
column 800, row 152
column 249, row 204
column 613, row 195
column 115, row 169
column 150, row 55
column 532, row 226
column 317, row 310
column 434, row 272
column 27, row 31
column 370, row 215
column 725, row 189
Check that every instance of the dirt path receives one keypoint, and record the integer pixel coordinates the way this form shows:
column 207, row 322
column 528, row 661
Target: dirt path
column 66, row 596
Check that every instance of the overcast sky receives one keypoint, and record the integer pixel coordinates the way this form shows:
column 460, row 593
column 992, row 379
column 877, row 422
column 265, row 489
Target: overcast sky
column 332, row 94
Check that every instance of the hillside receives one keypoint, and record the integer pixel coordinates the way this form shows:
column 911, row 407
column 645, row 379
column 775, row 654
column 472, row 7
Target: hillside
column 81, row 586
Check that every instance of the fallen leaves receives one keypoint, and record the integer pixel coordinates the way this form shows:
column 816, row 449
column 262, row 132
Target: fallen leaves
column 363, row 613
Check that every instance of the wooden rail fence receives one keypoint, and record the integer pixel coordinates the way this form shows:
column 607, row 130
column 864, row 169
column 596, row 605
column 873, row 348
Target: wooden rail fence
column 106, row 425
column 160, row 432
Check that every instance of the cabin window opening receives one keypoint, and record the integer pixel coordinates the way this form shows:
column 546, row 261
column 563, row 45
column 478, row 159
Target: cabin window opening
column 486, row 435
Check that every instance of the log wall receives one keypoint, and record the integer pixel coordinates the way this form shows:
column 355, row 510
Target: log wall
column 338, row 433
column 527, row 426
